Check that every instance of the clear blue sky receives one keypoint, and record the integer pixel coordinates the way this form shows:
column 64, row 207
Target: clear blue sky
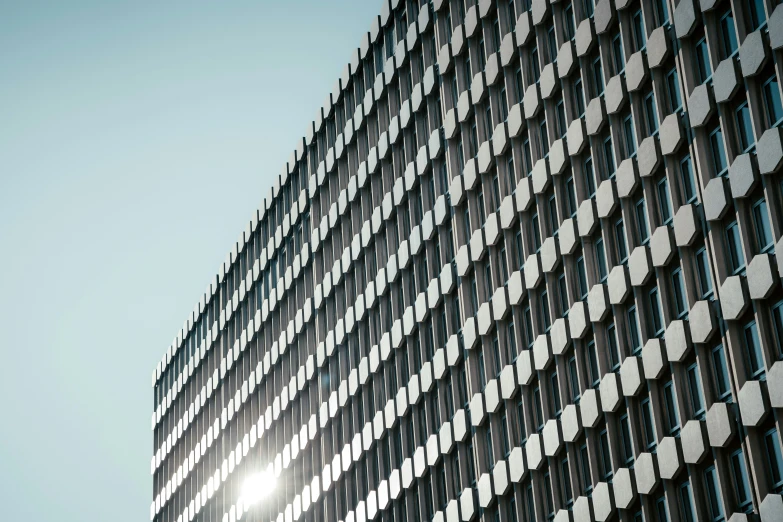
column 136, row 139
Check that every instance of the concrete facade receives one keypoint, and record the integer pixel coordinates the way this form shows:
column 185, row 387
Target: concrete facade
column 521, row 266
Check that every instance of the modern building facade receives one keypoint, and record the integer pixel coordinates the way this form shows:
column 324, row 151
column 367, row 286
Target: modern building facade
column 522, row 266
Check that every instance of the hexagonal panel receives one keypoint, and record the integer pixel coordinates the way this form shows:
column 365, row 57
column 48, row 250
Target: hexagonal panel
column 654, row 359
column 753, row 403
column 762, row 279
column 694, row 442
column 720, row 425
column 752, row 54
column 725, row 80
column 631, row 376
column 743, row 176
column 702, row 322
column 733, row 298
column 716, row 200
column 669, row 457
column 769, row 150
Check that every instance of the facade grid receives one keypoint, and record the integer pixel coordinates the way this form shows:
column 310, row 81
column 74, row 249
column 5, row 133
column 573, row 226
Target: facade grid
column 521, row 267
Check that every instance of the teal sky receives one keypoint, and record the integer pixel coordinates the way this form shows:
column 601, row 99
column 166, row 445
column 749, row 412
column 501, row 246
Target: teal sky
column 136, row 139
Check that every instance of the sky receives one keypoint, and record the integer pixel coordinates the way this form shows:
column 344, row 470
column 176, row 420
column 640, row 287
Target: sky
column 136, row 140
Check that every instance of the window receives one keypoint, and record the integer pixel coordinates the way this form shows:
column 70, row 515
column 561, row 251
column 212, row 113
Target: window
column 555, row 392
column 521, row 423
column 553, row 219
column 718, row 152
column 520, row 254
column 579, row 97
column 562, row 128
column 744, row 126
column 694, row 387
column 664, row 204
column 755, row 359
column 614, row 350
column 536, row 232
column 528, row 157
column 488, row 121
column 688, row 182
column 496, row 355
column 608, row 156
column 587, row 7
column 673, row 90
column 495, row 192
column 496, row 34
column 563, row 294
column 600, row 259
column 606, row 459
column 529, row 500
column 545, row 319
column 512, row 510
column 756, row 14
column 544, row 137
column 573, row 380
column 619, row 235
column 592, row 360
column 504, row 434
column 761, row 225
column 589, row 177
column 641, row 222
column 582, row 277
column 490, row 452
column 598, row 77
column 648, row 428
column 537, row 411
column 734, row 247
column 739, row 474
column 714, row 497
column 670, row 407
column 633, row 331
column 661, row 12
column 650, row 114
column 565, row 478
column 626, row 446
column 550, row 507
column 617, row 53
column 656, row 322
column 774, row 460
column 721, row 373
column 511, row 173
column 703, row 273
column 571, row 196
column 512, row 12
column 680, row 301
column 772, row 103
column 471, row 465
column 584, row 464
column 503, row 104
column 511, row 351
column 637, row 26
column 474, row 296
column 728, row 35
column 568, row 22
column 703, row 69
column 534, row 71
column 518, row 84
column 660, row 509
column 529, row 327
column 629, row 140
column 503, row 263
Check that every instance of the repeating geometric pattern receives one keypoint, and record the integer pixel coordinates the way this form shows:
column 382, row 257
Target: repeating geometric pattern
column 522, row 266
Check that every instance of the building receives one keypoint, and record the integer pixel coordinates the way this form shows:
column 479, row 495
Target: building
column 520, row 267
